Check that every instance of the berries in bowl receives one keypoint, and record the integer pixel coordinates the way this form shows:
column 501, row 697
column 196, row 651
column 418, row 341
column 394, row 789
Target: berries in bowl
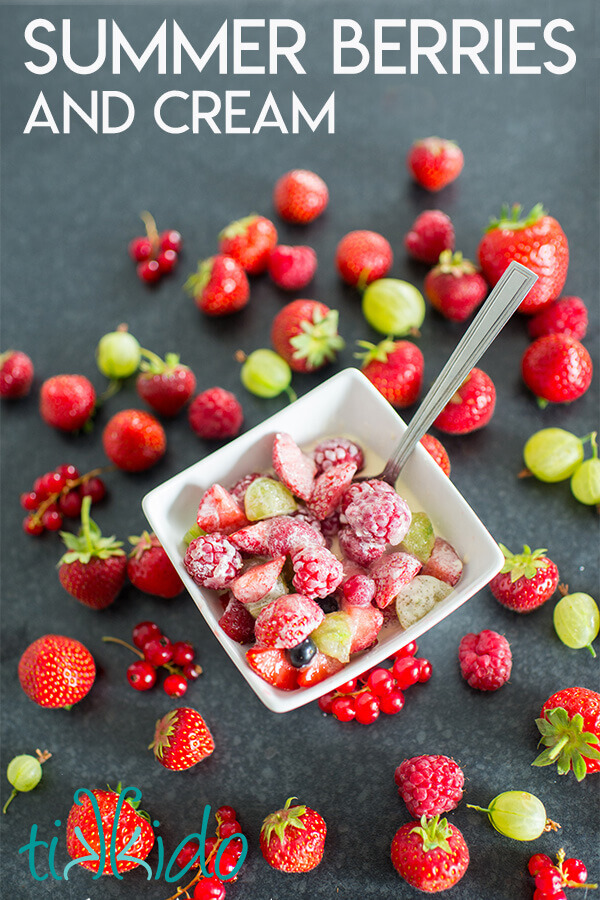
column 272, row 469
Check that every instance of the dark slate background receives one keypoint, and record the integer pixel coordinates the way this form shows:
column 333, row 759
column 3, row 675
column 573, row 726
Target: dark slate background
column 69, row 207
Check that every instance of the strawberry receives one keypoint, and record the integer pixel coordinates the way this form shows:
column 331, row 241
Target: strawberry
column 220, row 511
column 83, row 834
column 287, row 621
column 67, row 401
column 295, row 469
column 166, row 385
column 319, row 668
column 434, row 162
column 249, row 241
column 150, row 570
column 443, row 563
column 395, row 368
column 304, row 333
column 362, row 257
column 273, row 666
column 56, row 671
column 471, row 407
column 557, row 368
column 300, row 196
column 216, row 414
column 430, row 235
column 329, row 487
column 293, row 838
column 220, row 286
column 254, row 539
column 292, row 268
column 391, row 572
column 134, row 440
column 181, row 739
column 537, row 241
column 569, row 724
column 430, row 854
column 437, row 451
column 16, row 374
column 256, row 582
column 366, row 623
column 93, row 568
column 455, row 287
column 237, row 622
column 526, row 580
column 567, row 315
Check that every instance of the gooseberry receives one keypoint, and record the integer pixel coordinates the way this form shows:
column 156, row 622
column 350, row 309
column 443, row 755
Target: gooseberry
column 577, row 621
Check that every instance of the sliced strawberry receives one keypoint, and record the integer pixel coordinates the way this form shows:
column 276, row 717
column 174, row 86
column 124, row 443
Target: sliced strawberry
column 274, row 666
column 366, row 625
column 288, row 534
column 320, row 667
column 391, row 572
column 253, row 539
column 256, row 582
column 219, row 511
column 237, row 622
column 444, row 563
column 295, row 468
column 329, row 487
column 288, row 621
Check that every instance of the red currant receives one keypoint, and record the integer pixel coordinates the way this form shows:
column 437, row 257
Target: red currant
column 326, row 701
column 192, row 671
column 141, row 675
column 539, row 861
column 234, row 848
column 149, row 271
column 209, row 845
column 183, row 653
column 391, row 703
column 540, row 894
column 210, row 889
column 175, row 685
column 70, row 504
column 69, row 472
column 167, row 260
column 144, row 632
column 226, row 829
column 227, row 863
column 367, row 708
column 380, row 682
column 93, row 487
column 52, row 519
column 348, row 687
column 140, row 248
column 226, row 814
column 170, row 240
column 426, row 670
column 39, row 489
column 32, row 526
column 575, row 870
column 343, row 708
column 548, row 879
column 406, row 671
column 187, row 853
column 408, row 650
column 52, row 483
column 30, row 500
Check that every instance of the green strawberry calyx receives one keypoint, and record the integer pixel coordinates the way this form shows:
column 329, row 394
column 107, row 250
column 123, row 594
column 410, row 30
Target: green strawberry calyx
column 165, row 729
column 375, row 352
column 133, row 803
column 525, row 564
column 154, row 365
column 434, row 833
column 239, row 227
column 288, row 817
column 197, row 281
column 567, row 744
column 89, row 543
column 318, row 340
column 455, row 264
column 510, row 218
column 145, row 541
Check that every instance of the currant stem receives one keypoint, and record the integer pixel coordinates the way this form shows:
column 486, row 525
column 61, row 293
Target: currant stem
column 183, row 891
column 114, row 640
column 151, row 229
column 75, row 482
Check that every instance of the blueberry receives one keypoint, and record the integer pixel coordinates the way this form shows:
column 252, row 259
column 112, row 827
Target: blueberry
column 301, row 654
column 328, row 604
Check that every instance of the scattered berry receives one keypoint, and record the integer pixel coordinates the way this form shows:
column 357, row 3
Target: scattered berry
column 156, row 254
column 518, row 815
column 220, row 286
column 144, row 632
column 293, row 838
column 24, row 773
column 56, row 671
column 300, row 196
column 485, row 660
column 16, row 374
column 249, row 241
column 265, row 373
column 567, row 315
column 553, row 454
column 118, row 353
column 569, row 725
column 67, row 401
column 304, row 333
column 434, row 162
column 134, row 440
column 455, row 287
column 150, row 570
column 577, row 620
column 215, row 414
column 430, row 855
column 526, row 580
column 471, row 407
column 395, row 368
column 430, row 235
column 182, row 739
column 429, row 785
column 362, row 257
column 292, row 268
column 175, row 685
column 437, row 451
column 166, row 385
column 141, row 675
column 557, row 368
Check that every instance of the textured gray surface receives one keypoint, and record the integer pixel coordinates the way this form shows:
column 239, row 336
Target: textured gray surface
column 69, row 207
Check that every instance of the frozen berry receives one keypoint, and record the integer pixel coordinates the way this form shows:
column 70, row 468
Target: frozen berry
column 212, row 561
column 333, row 451
column 317, row 572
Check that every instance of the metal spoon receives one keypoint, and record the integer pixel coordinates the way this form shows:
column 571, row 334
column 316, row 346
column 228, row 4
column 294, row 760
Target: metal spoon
column 507, row 295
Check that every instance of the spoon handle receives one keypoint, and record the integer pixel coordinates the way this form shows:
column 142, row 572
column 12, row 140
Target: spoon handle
column 507, row 295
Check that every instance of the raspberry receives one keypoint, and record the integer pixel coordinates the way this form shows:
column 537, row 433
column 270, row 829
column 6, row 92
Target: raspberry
column 215, row 414
column 317, row 572
column 333, row 451
column 358, row 590
column 360, row 550
column 292, row 268
column 429, row 785
column 212, row 561
column 304, row 514
column 238, row 491
column 431, row 233
column 330, row 526
column 485, row 660
column 376, row 511
column 567, row 315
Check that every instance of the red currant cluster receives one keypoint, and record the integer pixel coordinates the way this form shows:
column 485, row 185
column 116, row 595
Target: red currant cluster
column 378, row 689
column 156, row 253
column 156, row 650
column 57, row 494
column 550, row 879
column 212, row 888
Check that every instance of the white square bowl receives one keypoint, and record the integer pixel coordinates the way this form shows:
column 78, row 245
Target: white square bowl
column 345, row 404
